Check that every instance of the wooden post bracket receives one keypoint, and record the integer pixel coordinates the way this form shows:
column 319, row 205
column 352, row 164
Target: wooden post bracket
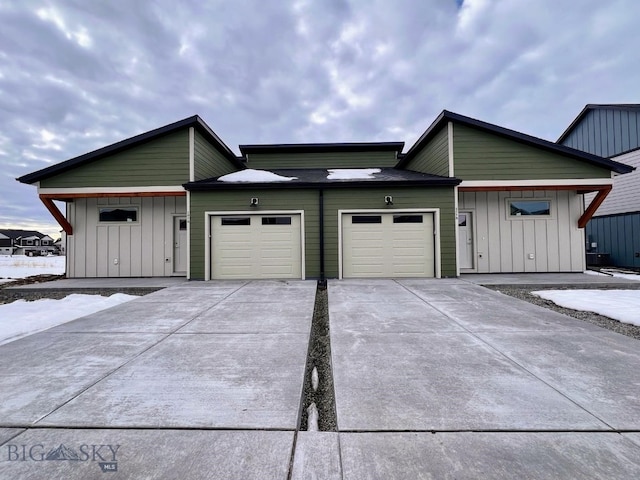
column 57, row 214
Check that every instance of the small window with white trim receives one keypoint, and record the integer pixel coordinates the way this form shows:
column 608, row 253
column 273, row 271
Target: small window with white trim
column 119, row 214
column 276, row 220
column 235, row 221
column 519, row 208
column 408, row 219
column 356, row 219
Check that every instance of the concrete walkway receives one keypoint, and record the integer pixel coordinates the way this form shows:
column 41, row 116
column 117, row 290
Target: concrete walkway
column 433, row 379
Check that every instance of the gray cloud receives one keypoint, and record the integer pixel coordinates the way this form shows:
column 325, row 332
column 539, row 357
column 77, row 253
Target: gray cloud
column 77, row 75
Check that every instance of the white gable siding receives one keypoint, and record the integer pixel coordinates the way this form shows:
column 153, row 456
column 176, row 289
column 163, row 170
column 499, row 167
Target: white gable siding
column 625, row 196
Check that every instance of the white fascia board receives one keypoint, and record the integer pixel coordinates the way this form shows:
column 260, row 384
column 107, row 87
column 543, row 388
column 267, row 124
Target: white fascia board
column 145, row 189
column 556, row 182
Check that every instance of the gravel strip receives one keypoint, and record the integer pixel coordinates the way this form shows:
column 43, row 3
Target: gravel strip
column 524, row 293
column 9, row 295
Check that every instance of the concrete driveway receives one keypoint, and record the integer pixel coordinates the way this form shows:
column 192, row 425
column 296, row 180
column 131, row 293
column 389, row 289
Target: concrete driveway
column 446, row 379
column 433, row 379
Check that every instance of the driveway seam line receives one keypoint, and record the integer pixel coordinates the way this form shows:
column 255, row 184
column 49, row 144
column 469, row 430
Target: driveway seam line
column 114, row 370
column 509, row 358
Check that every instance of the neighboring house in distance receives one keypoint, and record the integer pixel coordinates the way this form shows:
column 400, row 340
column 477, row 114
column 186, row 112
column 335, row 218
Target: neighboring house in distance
column 26, row 242
column 6, row 247
column 468, row 196
column 612, row 131
column 61, row 243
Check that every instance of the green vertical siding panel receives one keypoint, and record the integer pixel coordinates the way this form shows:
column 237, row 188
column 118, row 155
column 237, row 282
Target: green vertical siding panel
column 434, row 157
column 373, row 198
column 209, row 162
column 162, row 161
column 238, row 200
column 334, row 200
column 322, row 160
column 484, row 156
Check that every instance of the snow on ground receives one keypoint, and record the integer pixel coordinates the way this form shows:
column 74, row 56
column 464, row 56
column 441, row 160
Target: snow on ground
column 251, row 175
column 20, row 318
column 621, row 305
column 21, row 266
column 614, row 273
column 352, row 173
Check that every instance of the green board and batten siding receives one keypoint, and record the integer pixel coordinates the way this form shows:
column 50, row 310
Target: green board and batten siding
column 480, row 155
column 209, row 162
column 228, row 200
column 334, row 200
column 434, row 157
column 322, row 160
column 161, row 162
column 373, row 198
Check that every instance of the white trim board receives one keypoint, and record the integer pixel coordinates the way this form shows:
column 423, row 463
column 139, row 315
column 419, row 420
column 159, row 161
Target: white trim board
column 569, row 182
column 145, row 189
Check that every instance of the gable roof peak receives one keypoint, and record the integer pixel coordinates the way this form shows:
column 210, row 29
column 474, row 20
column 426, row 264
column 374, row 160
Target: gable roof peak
column 447, row 116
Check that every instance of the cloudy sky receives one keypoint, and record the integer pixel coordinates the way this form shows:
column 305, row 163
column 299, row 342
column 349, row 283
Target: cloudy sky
column 76, row 75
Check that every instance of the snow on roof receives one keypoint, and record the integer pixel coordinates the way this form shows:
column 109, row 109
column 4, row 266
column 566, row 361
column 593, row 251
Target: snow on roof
column 351, row 173
column 254, row 176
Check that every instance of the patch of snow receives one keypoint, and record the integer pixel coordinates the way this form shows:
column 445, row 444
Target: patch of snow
column 593, row 272
column 314, row 379
column 621, row 305
column 21, row 266
column 20, row 318
column 628, row 276
column 312, row 418
column 352, row 173
column 254, row 176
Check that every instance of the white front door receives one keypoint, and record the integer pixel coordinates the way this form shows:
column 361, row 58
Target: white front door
column 180, row 244
column 465, row 240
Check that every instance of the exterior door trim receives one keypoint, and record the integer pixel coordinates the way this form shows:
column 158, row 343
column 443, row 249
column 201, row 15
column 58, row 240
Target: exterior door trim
column 474, row 255
column 207, row 233
column 436, row 228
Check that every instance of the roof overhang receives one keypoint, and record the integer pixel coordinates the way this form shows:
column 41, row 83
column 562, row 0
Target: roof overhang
column 194, row 121
column 602, row 186
column 323, row 147
column 442, row 120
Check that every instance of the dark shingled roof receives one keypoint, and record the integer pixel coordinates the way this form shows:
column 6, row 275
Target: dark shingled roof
column 317, row 178
column 12, row 233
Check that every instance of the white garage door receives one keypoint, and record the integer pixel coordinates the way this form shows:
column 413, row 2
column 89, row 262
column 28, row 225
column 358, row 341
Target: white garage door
column 388, row 245
column 255, row 246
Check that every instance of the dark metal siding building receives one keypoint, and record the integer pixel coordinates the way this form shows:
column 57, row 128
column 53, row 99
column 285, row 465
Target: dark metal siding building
column 612, row 131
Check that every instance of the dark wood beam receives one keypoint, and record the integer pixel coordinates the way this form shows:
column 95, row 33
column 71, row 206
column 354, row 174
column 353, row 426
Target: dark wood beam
column 593, row 206
column 57, row 214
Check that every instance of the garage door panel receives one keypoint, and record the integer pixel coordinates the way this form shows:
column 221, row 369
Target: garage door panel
column 399, row 245
column 263, row 246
